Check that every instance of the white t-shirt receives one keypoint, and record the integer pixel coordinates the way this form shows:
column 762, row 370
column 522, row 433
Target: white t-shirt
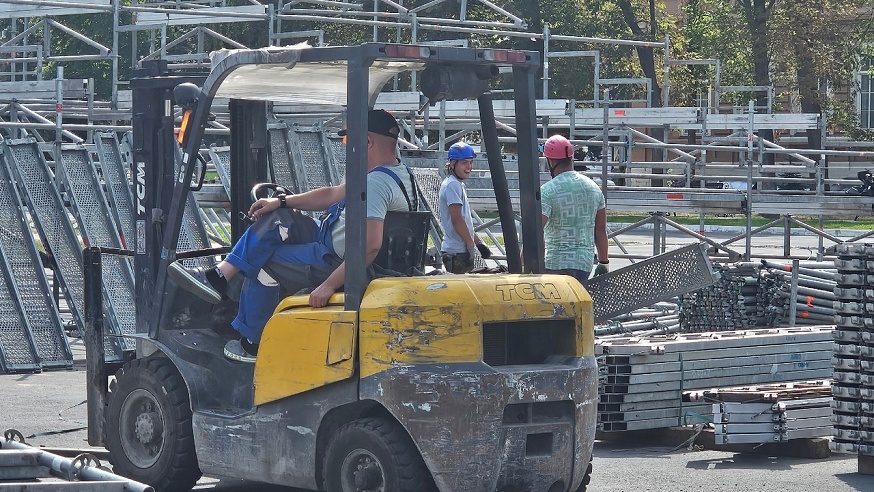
column 453, row 192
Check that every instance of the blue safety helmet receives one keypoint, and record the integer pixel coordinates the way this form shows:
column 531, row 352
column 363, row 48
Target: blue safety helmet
column 461, row 150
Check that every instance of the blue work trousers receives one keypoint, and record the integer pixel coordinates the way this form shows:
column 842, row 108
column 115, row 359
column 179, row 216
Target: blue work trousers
column 281, row 251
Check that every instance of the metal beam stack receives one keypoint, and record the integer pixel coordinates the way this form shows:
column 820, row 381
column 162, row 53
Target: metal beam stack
column 643, row 379
column 771, row 413
column 853, row 391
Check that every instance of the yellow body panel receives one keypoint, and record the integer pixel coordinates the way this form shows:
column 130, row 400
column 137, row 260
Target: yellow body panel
column 421, row 320
column 406, row 321
column 304, row 348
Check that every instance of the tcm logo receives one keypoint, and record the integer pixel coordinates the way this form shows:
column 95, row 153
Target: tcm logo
column 141, row 187
column 528, row 292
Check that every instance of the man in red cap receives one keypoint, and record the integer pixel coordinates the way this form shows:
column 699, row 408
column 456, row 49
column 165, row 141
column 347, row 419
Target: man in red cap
column 287, row 250
column 574, row 215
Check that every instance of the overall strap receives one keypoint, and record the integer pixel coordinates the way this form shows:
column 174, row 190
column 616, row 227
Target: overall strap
column 412, row 206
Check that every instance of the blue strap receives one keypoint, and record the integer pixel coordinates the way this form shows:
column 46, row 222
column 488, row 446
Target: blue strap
column 336, row 209
column 410, row 205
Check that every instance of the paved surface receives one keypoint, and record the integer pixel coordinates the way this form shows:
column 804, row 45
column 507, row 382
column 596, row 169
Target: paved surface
column 51, row 402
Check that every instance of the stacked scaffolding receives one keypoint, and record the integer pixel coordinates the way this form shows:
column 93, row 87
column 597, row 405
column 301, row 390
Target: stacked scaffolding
column 853, row 363
column 771, row 413
column 766, row 294
column 648, row 382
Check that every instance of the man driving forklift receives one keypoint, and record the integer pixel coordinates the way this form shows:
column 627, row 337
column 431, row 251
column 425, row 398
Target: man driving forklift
column 287, row 250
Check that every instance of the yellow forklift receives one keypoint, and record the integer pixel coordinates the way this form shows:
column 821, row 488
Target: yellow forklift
column 452, row 382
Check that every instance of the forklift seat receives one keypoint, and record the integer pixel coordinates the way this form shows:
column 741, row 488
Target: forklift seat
column 404, row 241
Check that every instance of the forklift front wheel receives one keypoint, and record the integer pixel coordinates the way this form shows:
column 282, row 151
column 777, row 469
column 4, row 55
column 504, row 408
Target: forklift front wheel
column 374, row 454
column 148, row 425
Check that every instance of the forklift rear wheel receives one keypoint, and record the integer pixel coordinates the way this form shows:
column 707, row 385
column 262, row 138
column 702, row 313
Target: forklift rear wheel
column 586, row 478
column 374, row 455
column 148, row 425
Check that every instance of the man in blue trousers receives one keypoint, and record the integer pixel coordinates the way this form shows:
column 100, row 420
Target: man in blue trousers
column 287, row 250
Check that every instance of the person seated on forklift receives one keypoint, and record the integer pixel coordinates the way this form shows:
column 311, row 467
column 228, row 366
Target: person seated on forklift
column 287, row 250
column 459, row 238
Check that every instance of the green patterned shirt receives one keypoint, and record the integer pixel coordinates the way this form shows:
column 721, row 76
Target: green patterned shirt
column 570, row 202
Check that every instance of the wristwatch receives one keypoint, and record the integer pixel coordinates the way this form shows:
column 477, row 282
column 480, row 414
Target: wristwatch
column 282, row 203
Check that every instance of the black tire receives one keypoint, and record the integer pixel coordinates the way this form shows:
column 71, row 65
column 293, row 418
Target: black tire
column 379, row 455
column 148, row 426
column 586, row 478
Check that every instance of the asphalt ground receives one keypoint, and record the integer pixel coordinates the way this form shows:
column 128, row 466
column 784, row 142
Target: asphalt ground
column 49, row 409
column 51, row 406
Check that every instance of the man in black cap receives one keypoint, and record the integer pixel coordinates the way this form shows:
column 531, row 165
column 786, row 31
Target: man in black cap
column 286, row 250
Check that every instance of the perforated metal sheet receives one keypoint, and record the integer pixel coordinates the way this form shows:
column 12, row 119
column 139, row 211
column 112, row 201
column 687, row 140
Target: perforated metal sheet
column 17, row 349
column 650, row 281
column 280, row 161
column 29, row 319
column 308, row 154
column 428, row 181
column 192, row 234
column 98, row 229
column 116, row 176
column 55, row 229
column 338, row 150
column 221, row 159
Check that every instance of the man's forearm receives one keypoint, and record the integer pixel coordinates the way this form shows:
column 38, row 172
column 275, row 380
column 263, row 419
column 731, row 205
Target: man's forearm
column 318, row 199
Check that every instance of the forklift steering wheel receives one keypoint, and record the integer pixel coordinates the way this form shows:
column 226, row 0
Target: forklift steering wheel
column 267, row 190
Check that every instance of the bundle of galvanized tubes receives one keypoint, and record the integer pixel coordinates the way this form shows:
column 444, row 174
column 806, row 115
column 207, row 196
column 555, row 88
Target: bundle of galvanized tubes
column 661, row 319
column 643, row 380
column 761, row 294
column 853, row 389
column 729, row 304
column 771, row 413
column 799, row 296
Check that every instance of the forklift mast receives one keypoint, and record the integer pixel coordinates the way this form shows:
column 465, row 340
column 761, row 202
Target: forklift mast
column 154, row 163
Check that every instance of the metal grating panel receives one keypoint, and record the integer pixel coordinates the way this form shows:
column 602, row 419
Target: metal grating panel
column 26, row 296
column 650, row 281
column 55, row 230
column 192, row 233
column 309, row 158
column 18, row 351
column 97, row 229
column 221, row 159
column 280, row 162
column 428, row 181
column 117, row 179
column 338, row 148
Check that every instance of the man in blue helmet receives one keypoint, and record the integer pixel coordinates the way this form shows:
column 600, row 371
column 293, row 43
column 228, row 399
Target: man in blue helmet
column 459, row 238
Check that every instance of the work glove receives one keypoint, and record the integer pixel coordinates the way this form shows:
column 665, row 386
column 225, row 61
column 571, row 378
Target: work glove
column 601, row 269
column 484, row 250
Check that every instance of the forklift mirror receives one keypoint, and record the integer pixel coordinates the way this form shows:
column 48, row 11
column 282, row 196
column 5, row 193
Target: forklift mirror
column 440, row 82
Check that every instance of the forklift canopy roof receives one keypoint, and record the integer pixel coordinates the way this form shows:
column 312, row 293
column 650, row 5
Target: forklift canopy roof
column 264, row 75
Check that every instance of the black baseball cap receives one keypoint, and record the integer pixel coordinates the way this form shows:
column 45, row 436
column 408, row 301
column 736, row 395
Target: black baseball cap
column 380, row 122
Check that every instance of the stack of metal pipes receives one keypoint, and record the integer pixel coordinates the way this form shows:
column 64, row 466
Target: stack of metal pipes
column 771, row 413
column 729, row 304
column 643, row 379
column 660, row 319
column 853, row 388
column 801, row 297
